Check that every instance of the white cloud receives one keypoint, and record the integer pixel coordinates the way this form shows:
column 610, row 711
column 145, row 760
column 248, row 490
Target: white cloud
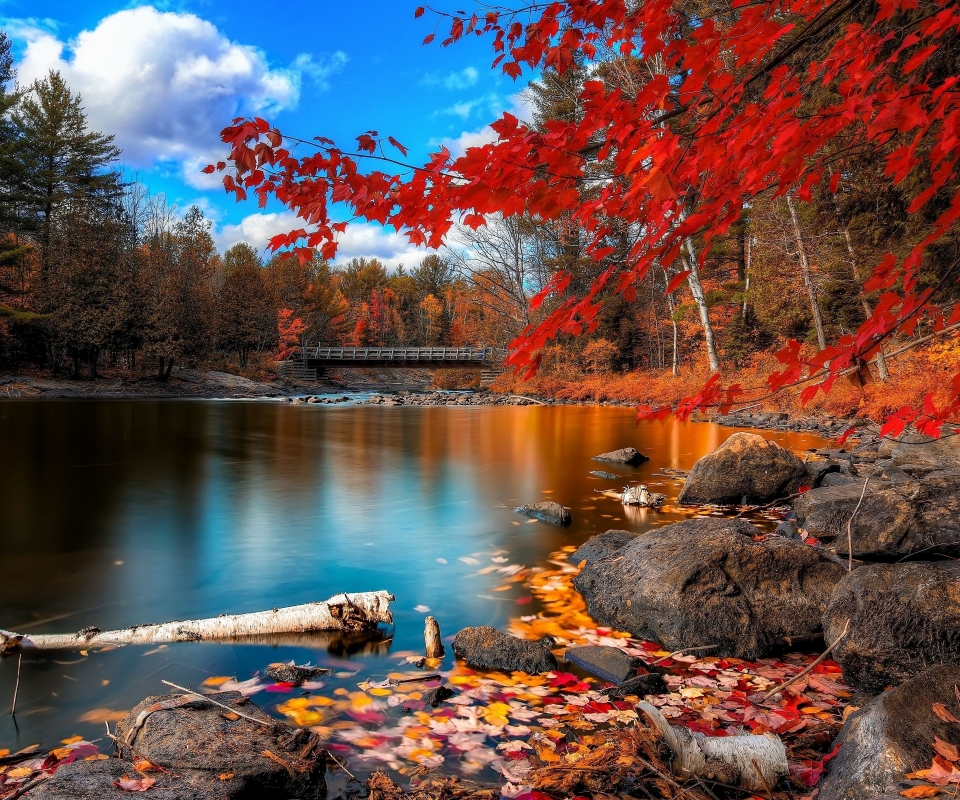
column 361, row 239
column 165, row 83
column 463, row 79
column 517, row 105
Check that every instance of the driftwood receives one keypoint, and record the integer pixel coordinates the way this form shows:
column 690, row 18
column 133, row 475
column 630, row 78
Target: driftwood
column 755, row 762
column 431, row 638
column 354, row 612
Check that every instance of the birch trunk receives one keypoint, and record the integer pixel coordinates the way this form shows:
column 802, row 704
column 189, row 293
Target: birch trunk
column 696, row 289
column 867, row 308
column 673, row 322
column 340, row 613
column 807, row 275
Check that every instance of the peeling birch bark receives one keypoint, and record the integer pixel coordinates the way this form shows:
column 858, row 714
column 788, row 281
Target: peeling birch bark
column 759, row 762
column 354, row 612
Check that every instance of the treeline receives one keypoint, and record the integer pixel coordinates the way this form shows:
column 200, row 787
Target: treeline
column 96, row 273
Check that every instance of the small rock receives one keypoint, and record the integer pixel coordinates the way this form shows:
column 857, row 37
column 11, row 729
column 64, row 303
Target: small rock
column 436, row 696
column 608, row 475
column 609, row 663
column 745, row 466
column 838, row 479
column 708, row 582
column 547, row 511
column 487, row 648
column 640, row 686
column 601, row 545
column 788, row 529
column 292, row 674
column 625, row 455
column 904, row 618
column 892, row 736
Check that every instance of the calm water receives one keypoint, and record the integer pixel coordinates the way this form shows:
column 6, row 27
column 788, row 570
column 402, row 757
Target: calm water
column 114, row 513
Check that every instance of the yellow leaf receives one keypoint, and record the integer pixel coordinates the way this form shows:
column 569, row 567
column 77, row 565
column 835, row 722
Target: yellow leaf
column 19, row 772
column 71, row 740
column 505, row 588
column 691, row 691
column 102, row 715
column 97, row 757
column 381, row 692
column 216, row 680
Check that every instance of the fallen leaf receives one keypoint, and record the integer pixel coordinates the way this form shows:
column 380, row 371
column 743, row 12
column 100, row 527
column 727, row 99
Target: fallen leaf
column 949, row 751
column 225, row 776
column 129, row 784
column 941, row 711
column 920, row 791
column 102, row 715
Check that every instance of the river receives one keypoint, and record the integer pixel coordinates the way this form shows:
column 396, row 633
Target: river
column 121, row 512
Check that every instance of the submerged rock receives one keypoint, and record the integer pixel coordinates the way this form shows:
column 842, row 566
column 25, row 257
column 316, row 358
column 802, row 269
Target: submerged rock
column 213, row 754
column 904, row 619
column 639, row 686
column 547, row 511
column 707, row 582
column 609, row 663
column 892, row 736
column 625, row 455
column 608, row 475
column 487, row 648
column 894, row 520
column 745, row 466
column 601, row 545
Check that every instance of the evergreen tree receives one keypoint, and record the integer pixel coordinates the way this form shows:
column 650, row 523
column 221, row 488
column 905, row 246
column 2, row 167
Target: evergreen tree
column 58, row 155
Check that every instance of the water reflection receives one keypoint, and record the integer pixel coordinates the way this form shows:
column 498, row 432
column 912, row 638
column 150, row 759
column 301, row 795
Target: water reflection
column 113, row 513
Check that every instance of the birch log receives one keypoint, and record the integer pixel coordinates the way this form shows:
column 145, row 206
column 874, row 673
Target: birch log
column 757, row 762
column 342, row 612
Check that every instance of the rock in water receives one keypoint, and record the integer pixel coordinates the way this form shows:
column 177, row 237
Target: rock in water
column 893, row 521
column 198, row 742
column 892, row 736
column 487, row 648
column 904, row 618
column 625, row 455
column 608, row 475
column 601, row 545
column 547, row 511
column 745, row 466
column 608, row 663
column 639, row 686
column 707, row 582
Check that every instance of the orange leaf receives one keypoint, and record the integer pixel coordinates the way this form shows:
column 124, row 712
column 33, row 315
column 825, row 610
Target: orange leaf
column 941, row 711
column 920, row 791
column 949, row 751
column 128, row 784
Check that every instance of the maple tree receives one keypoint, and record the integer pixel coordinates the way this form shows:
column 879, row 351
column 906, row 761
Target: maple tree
column 736, row 101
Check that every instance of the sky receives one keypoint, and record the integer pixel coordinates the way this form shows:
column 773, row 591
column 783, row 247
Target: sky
column 166, row 77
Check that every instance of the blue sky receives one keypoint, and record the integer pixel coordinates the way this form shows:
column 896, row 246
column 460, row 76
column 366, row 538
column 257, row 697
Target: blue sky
column 166, row 77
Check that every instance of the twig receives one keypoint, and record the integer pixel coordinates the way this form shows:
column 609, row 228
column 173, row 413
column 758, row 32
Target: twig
column 339, row 764
column 136, row 752
column 820, row 658
column 265, row 723
column 20, row 792
column 16, row 687
column 778, row 502
column 850, row 525
column 684, row 650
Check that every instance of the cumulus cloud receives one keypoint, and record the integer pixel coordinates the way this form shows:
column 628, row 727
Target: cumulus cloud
column 165, row 83
column 361, row 239
column 516, row 105
column 463, row 79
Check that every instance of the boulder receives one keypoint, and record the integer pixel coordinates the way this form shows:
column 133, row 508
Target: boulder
column 745, row 466
column 609, row 663
column 487, row 648
column 904, row 618
column 707, row 582
column 892, row 736
column 547, row 511
column 625, row 455
column 919, row 449
column 608, row 475
column 894, row 520
column 639, row 686
column 199, row 742
column 601, row 545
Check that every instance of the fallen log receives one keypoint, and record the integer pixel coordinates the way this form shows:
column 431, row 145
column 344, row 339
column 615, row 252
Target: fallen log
column 354, row 612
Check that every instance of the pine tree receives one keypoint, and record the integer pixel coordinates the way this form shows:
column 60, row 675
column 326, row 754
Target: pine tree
column 58, row 155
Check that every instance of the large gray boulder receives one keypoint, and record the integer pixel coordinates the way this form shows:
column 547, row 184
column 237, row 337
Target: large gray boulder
column 546, row 511
column 892, row 736
column 915, row 448
column 625, row 455
column 904, row 618
column 745, row 466
column 894, row 520
column 484, row 647
column 706, row 581
column 601, row 545
column 198, row 742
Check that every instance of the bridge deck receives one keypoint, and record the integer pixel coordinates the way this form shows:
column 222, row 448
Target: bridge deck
column 434, row 356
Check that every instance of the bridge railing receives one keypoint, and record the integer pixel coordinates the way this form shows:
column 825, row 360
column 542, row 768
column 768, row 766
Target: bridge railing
column 421, row 354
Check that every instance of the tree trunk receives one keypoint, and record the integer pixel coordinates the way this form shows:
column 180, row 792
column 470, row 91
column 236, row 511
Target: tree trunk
column 807, row 275
column 160, row 374
column 342, row 612
column 166, row 375
column 673, row 321
column 747, row 259
column 696, row 289
column 867, row 308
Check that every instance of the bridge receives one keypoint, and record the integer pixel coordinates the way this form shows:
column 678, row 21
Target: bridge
column 307, row 362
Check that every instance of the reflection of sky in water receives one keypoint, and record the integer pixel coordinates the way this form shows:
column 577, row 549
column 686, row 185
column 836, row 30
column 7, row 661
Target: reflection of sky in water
column 219, row 507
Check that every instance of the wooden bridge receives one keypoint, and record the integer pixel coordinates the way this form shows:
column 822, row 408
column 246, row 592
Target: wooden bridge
column 306, row 362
